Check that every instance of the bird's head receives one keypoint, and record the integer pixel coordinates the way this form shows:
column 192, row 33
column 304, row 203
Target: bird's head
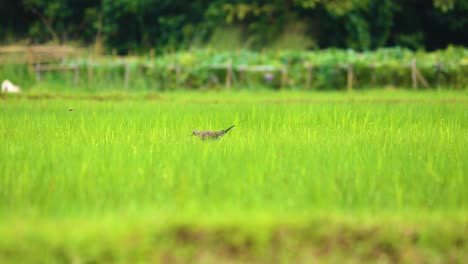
column 195, row 132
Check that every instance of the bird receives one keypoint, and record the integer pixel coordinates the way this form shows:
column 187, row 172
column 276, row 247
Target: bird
column 211, row 134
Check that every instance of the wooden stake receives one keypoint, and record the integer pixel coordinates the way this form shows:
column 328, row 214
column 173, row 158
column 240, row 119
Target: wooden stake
column 422, row 79
column 284, row 77
column 140, row 71
column 414, row 74
column 77, row 75
column 90, row 71
column 241, row 75
column 350, row 77
column 178, row 75
column 373, row 77
column 308, row 75
column 127, row 75
column 38, row 72
column 30, row 58
column 229, row 75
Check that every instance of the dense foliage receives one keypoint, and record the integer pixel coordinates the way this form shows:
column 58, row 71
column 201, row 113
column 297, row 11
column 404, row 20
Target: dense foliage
column 136, row 25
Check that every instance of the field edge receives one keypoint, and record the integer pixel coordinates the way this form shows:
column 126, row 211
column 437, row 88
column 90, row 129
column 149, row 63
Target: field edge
column 427, row 238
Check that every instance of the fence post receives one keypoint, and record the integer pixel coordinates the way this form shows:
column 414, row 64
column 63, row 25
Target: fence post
column 229, row 75
column 421, row 78
column 308, row 75
column 126, row 75
column 241, row 75
column 178, row 75
column 77, row 75
column 90, row 70
column 30, row 57
column 372, row 66
column 414, row 74
column 38, row 72
column 350, row 77
column 284, row 77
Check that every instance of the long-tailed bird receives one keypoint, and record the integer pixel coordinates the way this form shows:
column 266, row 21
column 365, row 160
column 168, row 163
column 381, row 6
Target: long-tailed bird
column 211, row 134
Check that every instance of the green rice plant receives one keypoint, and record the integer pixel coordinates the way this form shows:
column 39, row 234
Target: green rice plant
column 117, row 177
column 285, row 155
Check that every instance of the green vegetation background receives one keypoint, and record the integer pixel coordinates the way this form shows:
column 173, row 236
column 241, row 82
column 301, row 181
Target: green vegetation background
column 139, row 25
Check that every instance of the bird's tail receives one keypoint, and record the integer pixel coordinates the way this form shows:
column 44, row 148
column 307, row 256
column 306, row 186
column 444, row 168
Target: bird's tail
column 227, row 129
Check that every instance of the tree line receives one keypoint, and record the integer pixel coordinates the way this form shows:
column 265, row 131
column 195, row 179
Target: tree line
column 167, row 25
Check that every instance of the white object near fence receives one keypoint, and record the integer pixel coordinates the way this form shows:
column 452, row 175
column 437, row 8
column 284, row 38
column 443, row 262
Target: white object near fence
column 9, row 87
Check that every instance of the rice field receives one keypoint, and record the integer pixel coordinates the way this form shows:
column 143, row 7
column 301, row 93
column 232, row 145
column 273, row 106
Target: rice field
column 81, row 174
